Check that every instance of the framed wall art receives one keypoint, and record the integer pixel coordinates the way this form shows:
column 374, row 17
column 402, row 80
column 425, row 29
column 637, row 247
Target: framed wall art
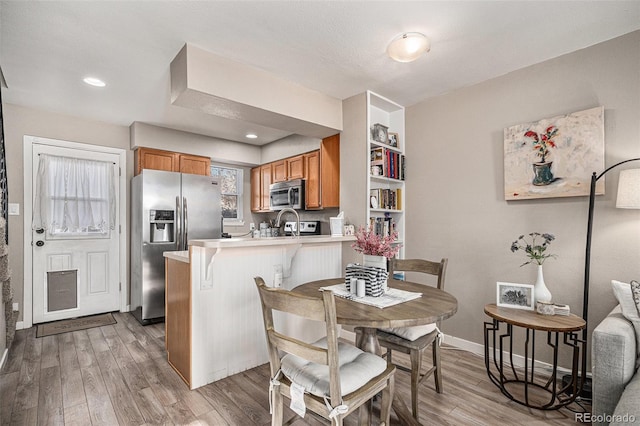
column 517, row 296
column 554, row 157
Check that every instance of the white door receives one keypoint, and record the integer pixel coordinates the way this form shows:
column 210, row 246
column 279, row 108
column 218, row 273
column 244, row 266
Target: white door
column 75, row 273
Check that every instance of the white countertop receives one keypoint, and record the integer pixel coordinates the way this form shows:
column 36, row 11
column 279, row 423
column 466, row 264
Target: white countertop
column 180, row 256
column 273, row 241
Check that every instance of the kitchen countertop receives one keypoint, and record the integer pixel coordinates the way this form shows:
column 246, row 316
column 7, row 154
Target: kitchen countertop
column 272, row 241
column 180, row 256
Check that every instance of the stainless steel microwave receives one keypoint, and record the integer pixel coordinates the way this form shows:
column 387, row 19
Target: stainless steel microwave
column 287, row 194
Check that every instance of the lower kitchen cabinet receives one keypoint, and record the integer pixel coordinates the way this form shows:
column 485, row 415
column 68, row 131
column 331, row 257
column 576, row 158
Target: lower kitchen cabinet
column 178, row 316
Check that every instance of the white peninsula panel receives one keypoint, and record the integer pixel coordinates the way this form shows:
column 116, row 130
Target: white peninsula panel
column 227, row 332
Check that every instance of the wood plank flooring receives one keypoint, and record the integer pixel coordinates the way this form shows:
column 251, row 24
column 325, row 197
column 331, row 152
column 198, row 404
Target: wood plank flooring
column 118, row 375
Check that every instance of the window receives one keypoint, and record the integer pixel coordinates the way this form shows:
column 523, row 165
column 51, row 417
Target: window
column 231, row 181
column 74, row 197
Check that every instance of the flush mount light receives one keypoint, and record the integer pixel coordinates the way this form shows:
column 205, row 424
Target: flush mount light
column 92, row 81
column 408, row 47
column 251, row 136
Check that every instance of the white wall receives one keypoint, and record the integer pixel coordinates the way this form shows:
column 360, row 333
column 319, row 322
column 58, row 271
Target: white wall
column 455, row 183
column 20, row 121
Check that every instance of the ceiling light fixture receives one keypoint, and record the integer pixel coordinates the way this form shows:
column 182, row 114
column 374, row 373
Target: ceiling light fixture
column 92, row 81
column 251, row 136
column 408, row 47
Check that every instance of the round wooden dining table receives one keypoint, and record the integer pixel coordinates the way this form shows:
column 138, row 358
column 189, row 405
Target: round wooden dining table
column 434, row 305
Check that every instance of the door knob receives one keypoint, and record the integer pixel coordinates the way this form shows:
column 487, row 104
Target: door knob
column 39, row 230
column 39, row 243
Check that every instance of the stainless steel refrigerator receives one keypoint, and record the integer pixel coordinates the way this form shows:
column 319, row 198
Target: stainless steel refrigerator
column 167, row 210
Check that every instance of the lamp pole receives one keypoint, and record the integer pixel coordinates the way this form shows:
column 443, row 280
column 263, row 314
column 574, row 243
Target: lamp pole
column 587, row 260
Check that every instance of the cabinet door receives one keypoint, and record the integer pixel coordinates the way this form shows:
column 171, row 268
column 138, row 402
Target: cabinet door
column 265, row 181
column 155, row 159
column 279, row 171
column 312, row 189
column 194, row 164
column 295, row 167
column 256, row 189
column 330, row 171
column 178, row 317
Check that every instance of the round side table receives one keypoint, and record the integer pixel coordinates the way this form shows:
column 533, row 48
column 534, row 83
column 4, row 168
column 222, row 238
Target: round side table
column 499, row 345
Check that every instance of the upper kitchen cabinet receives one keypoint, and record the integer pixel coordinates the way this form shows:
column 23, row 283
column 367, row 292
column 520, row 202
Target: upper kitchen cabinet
column 330, row 171
column 261, row 178
column 295, row 167
column 156, row 159
column 320, row 169
column 279, row 171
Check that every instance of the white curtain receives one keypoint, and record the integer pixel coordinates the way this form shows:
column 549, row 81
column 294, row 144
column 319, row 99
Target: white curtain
column 74, row 196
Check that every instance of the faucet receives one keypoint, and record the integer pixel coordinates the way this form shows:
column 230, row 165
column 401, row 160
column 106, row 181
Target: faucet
column 289, row 209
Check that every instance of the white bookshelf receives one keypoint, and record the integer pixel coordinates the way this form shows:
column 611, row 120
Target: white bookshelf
column 385, row 176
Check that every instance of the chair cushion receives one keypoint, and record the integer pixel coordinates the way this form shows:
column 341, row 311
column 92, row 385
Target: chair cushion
column 356, row 368
column 411, row 333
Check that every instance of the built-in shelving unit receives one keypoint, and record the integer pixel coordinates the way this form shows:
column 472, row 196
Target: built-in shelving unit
column 386, row 167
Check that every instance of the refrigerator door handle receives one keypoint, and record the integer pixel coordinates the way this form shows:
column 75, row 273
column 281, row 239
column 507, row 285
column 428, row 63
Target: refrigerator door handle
column 178, row 224
column 186, row 222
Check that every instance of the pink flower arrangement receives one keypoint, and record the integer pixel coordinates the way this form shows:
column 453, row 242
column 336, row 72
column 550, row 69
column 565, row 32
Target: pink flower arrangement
column 367, row 242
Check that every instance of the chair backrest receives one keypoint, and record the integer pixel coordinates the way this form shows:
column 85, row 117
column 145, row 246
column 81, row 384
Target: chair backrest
column 438, row 269
column 324, row 309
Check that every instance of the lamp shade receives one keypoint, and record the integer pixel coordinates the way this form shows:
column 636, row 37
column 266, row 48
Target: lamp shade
column 629, row 189
column 408, row 47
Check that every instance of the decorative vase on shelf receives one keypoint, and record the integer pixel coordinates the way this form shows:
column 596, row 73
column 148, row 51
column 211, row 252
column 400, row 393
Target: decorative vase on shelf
column 372, row 260
column 540, row 290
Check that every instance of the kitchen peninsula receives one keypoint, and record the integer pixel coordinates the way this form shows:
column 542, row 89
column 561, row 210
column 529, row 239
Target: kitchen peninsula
column 213, row 318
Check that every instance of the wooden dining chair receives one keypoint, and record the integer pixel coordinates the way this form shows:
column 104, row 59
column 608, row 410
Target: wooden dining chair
column 415, row 340
column 337, row 377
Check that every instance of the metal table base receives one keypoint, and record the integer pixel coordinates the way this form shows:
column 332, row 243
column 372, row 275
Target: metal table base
column 503, row 372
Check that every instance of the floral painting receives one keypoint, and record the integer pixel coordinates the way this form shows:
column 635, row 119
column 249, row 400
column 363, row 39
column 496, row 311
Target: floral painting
column 554, row 157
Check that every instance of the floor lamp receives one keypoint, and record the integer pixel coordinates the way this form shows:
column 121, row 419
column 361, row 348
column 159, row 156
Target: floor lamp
column 628, row 197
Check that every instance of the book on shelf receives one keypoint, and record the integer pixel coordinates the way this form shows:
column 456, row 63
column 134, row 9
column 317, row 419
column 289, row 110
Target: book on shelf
column 387, row 163
column 383, row 226
column 386, row 199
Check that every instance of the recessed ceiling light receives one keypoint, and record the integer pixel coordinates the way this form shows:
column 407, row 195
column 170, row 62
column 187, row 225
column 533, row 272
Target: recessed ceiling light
column 251, row 136
column 94, row 81
column 408, row 47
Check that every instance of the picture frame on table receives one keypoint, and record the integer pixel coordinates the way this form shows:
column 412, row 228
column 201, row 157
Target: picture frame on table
column 516, row 296
column 394, row 139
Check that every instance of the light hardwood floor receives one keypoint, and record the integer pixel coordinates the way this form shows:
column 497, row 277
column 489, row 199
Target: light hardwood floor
column 118, row 374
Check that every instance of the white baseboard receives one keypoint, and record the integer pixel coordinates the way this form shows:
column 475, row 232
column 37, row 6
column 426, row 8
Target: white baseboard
column 20, row 325
column 478, row 349
column 4, row 358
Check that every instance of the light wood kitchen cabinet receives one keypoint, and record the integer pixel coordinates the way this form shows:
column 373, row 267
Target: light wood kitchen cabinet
column 256, row 189
column 330, row 172
column 260, row 181
column 312, row 180
column 194, row 164
column 157, row 159
column 295, row 167
column 178, row 317
column 320, row 169
column 279, row 171
column 265, row 181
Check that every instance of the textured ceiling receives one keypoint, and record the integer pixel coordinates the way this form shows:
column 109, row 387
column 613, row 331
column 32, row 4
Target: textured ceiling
column 337, row 48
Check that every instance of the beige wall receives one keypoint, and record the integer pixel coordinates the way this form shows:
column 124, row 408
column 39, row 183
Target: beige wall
column 20, row 121
column 455, row 183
